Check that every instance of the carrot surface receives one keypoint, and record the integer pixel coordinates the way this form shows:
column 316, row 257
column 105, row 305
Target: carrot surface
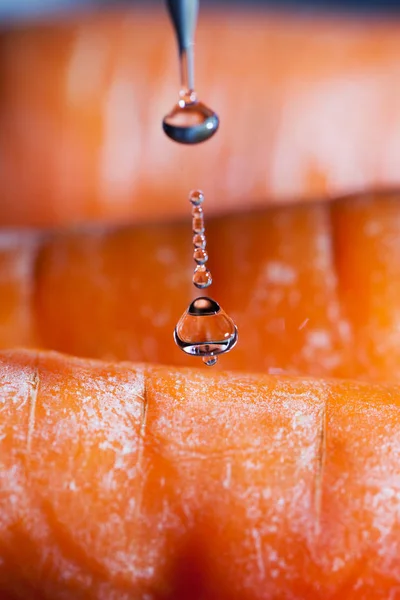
column 309, row 106
column 314, row 289
column 131, row 481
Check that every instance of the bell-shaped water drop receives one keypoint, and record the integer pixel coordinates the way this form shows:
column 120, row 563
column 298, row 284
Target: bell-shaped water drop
column 205, row 330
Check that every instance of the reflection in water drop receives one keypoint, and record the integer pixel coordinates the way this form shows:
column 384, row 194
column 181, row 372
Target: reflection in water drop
column 202, row 277
column 199, row 241
column 190, row 123
column 198, row 225
column 200, row 256
column 197, row 212
column 205, row 329
column 196, row 197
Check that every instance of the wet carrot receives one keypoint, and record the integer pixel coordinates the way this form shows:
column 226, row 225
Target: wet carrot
column 82, row 101
column 131, row 481
column 313, row 289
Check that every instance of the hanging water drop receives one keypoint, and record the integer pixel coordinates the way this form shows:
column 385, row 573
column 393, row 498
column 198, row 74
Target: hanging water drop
column 210, row 361
column 190, row 121
column 196, row 197
column 198, row 225
column 200, row 256
column 205, row 329
column 202, row 277
column 197, row 212
column 199, row 241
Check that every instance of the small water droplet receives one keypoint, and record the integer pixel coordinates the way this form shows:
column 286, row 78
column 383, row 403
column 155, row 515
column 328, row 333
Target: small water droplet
column 202, row 277
column 205, row 329
column 200, row 256
column 196, row 197
column 197, row 212
column 211, row 361
column 199, row 241
column 198, row 225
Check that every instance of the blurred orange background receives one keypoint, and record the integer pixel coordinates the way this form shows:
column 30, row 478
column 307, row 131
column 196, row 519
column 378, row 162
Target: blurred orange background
column 309, row 107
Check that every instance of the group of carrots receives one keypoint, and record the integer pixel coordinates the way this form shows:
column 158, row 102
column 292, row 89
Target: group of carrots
column 128, row 470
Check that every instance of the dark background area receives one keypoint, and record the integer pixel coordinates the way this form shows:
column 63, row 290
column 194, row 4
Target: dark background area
column 21, row 9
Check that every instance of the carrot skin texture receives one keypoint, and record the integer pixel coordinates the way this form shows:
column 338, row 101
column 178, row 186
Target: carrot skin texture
column 119, row 481
column 366, row 245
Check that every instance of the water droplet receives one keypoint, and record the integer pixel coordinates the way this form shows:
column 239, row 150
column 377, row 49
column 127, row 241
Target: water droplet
column 202, row 277
column 190, row 122
column 199, row 241
column 205, row 329
column 198, row 225
column 197, row 212
column 210, row 361
column 200, row 256
column 196, row 197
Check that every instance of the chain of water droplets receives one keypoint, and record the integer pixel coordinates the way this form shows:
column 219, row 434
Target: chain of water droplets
column 202, row 276
column 204, row 329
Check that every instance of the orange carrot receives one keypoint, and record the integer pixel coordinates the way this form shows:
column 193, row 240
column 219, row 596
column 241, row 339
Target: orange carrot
column 313, row 289
column 128, row 481
column 308, row 105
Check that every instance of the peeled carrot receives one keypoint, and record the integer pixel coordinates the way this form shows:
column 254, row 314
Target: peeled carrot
column 131, row 481
column 308, row 105
column 314, row 289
